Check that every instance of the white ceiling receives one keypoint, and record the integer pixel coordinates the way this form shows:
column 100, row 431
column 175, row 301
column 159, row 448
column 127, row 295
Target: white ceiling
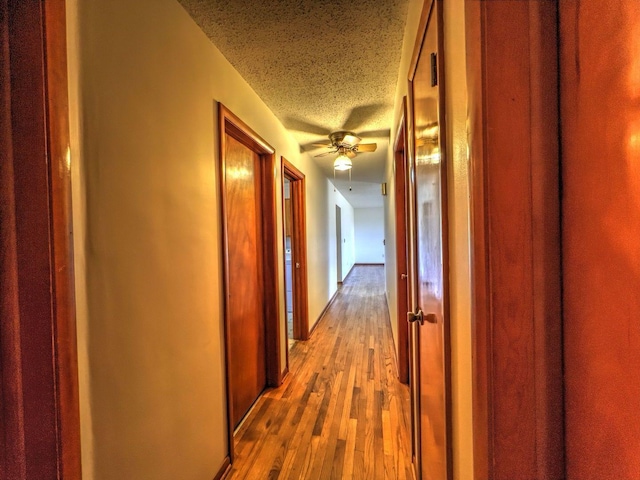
column 320, row 66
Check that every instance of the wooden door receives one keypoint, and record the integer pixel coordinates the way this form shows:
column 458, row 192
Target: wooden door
column 402, row 267
column 430, row 324
column 600, row 115
column 251, row 292
column 245, row 301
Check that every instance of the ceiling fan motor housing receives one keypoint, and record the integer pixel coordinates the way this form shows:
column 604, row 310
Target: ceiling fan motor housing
column 344, row 139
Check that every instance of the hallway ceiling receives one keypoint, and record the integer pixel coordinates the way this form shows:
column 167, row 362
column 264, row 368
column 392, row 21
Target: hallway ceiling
column 320, row 66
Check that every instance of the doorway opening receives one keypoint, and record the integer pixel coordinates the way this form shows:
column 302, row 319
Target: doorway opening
column 295, row 252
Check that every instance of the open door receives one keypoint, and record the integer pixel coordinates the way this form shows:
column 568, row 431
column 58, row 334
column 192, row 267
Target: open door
column 295, row 249
column 429, row 330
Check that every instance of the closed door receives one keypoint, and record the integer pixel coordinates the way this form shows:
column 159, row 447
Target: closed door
column 245, row 301
column 600, row 116
column 430, row 320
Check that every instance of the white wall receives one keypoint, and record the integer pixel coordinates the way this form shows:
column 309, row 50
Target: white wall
column 369, row 235
column 144, row 87
column 459, row 229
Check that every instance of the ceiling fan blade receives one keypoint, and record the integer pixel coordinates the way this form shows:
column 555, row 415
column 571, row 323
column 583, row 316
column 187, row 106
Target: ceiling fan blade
column 321, row 145
column 351, row 154
column 367, row 147
column 326, row 153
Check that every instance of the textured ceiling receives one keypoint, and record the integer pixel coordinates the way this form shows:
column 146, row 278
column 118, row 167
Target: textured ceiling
column 319, row 65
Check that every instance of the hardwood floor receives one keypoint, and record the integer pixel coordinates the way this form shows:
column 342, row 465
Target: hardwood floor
column 341, row 412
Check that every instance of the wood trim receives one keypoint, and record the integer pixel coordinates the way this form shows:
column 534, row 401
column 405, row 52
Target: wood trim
column 517, row 369
column 270, row 274
column 400, row 150
column 40, row 411
column 62, row 247
column 224, row 470
column 232, row 125
column 422, row 30
column 300, row 277
column 481, row 336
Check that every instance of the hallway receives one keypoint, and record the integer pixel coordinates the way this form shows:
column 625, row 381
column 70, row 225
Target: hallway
column 341, row 412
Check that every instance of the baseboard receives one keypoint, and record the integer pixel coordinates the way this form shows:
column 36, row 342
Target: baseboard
column 347, row 275
column 324, row 311
column 284, row 374
column 224, row 470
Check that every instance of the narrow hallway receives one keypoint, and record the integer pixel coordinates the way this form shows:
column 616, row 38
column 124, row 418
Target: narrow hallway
column 341, row 412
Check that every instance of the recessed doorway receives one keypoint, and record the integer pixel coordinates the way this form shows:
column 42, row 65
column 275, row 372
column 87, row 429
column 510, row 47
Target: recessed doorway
column 295, row 252
column 251, row 313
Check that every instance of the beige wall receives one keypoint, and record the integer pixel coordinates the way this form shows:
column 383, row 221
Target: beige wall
column 144, row 82
column 458, row 196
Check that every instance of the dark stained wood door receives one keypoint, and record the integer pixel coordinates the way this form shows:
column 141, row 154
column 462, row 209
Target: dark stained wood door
column 245, row 302
column 430, row 341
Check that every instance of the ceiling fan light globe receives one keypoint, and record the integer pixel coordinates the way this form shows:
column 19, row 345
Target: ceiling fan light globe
column 342, row 163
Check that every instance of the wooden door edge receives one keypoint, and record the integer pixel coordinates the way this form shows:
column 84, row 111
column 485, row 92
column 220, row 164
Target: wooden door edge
column 401, row 151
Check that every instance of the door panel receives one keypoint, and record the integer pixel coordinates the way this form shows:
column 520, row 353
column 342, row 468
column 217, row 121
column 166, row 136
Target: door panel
column 431, row 335
column 600, row 112
column 245, row 304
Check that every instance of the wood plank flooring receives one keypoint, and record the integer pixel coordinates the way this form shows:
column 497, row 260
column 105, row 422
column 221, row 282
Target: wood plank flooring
column 341, row 412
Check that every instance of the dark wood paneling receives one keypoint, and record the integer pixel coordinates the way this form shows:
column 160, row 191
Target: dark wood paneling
column 600, row 111
column 38, row 362
column 512, row 82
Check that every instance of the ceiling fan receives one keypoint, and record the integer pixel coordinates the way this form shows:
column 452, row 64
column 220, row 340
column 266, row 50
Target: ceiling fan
column 347, row 145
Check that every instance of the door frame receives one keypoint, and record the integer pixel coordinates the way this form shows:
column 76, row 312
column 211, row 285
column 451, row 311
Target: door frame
column 300, row 297
column 38, row 355
column 430, row 7
column 230, row 124
column 400, row 150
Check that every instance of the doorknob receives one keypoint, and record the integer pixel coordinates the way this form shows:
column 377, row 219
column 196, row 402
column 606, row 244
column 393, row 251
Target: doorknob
column 415, row 317
column 297, row 264
column 421, row 317
column 403, row 276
